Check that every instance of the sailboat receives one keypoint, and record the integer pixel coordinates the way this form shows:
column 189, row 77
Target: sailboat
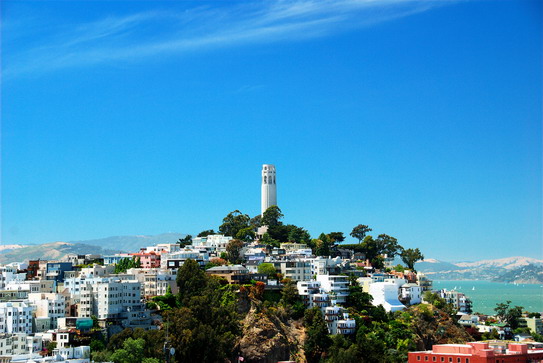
column 473, row 288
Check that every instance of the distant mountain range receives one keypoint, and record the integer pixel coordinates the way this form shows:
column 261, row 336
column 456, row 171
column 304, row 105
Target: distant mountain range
column 510, row 269
column 103, row 246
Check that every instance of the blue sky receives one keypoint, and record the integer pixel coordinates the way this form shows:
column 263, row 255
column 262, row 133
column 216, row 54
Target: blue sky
column 421, row 119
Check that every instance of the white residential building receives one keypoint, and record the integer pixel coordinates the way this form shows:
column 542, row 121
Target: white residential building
column 338, row 321
column 20, row 343
column 335, row 285
column 9, row 274
column 295, row 270
column 177, row 259
column 217, row 242
column 48, row 306
column 109, row 297
column 324, row 265
column 411, row 294
column 386, row 294
column 16, row 317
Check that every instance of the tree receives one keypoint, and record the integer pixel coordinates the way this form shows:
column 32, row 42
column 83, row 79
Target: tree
column 272, row 216
column 127, row 263
column 185, row 241
column 206, row 233
column 336, row 237
column 374, row 249
column 191, row 281
column 267, row 269
column 233, row 250
column 256, row 221
column 410, row 256
column 360, row 231
column 508, row 314
column 233, row 223
column 297, row 234
column 317, row 340
column 322, row 245
column 132, row 351
column 268, row 240
column 246, row 234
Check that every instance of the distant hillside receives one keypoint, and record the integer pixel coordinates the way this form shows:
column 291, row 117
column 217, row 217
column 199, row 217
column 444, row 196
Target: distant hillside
column 529, row 274
column 491, row 270
column 50, row 251
column 131, row 243
column 103, row 246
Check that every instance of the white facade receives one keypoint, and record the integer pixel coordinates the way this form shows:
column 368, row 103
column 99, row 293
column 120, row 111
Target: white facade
column 9, row 274
column 412, row 293
column 214, row 242
column 386, row 294
column 15, row 317
column 269, row 188
column 335, row 285
column 109, row 297
column 17, row 344
column 51, row 306
column 338, row 321
column 294, row 270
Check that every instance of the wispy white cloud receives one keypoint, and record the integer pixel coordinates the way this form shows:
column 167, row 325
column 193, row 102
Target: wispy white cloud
column 157, row 33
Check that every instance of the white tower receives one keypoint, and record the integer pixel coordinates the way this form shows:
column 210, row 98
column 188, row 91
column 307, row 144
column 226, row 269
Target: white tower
column 269, row 188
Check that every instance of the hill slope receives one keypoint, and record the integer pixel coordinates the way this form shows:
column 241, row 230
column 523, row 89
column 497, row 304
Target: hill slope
column 50, row 251
column 491, row 270
column 102, row 246
column 131, row 243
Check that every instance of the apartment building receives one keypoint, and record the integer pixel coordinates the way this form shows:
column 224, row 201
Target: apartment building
column 16, row 317
column 49, row 308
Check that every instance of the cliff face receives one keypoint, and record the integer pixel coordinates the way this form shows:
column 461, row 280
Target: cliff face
column 266, row 338
column 433, row 326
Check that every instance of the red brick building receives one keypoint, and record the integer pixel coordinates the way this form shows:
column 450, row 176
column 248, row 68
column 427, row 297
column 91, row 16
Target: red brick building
column 477, row 352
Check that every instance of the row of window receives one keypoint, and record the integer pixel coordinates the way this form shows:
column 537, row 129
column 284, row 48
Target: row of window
column 442, row 359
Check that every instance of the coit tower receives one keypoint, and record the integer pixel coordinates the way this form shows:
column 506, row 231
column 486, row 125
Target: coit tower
column 269, row 188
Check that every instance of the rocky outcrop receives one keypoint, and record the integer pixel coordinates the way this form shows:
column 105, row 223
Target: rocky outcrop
column 433, row 326
column 267, row 338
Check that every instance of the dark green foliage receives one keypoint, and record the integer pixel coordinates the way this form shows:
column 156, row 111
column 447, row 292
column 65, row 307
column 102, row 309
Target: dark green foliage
column 509, row 315
column 317, row 340
column 131, row 352
column 322, row 245
column 127, row 263
column 191, row 281
column 166, row 302
column 206, row 233
column 246, row 234
column 297, row 234
column 374, row 249
column 272, row 217
column 233, row 251
column 206, row 327
column 336, row 237
column 233, row 223
column 360, row 231
column 268, row 240
column 267, row 269
column 410, row 256
column 185, row 241
column 358, row 299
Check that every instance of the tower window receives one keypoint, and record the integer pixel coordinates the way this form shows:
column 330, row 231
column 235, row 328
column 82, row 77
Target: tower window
column 273, row 180
column 265, row 179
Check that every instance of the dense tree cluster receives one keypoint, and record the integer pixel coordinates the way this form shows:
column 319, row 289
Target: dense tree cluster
column 127, row 263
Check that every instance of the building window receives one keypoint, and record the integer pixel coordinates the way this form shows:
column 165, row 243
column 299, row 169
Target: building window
column 418, row 357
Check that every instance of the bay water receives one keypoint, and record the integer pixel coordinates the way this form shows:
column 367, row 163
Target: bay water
column 485, row 294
